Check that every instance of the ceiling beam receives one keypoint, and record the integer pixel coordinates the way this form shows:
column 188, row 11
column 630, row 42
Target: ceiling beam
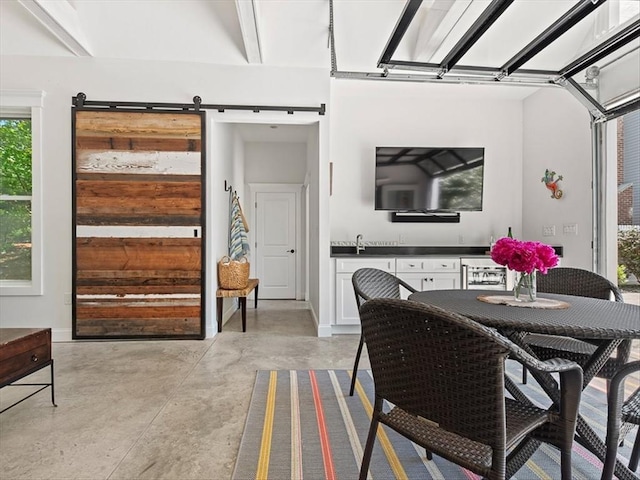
column 248, row 17
column 61, row 19
column 488, row 17
column 550, row 35
column 410, row 10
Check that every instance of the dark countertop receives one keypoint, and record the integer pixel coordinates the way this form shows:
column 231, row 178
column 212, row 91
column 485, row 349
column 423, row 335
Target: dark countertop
column 416, row 251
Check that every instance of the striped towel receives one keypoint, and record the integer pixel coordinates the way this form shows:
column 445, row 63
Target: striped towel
column 238, row 240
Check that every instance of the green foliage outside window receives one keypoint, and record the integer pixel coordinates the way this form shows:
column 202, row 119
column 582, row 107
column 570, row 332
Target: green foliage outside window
column 15, row 214
column 629, row 251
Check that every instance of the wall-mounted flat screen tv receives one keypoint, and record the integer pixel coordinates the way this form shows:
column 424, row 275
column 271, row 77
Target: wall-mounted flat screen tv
column 429, row 179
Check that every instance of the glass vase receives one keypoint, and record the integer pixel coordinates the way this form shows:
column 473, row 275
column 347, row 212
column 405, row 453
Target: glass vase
column 524, row 287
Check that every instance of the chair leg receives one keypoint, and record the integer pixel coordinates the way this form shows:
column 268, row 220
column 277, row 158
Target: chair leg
column 524, row 375
column 565, row 464
column 635, row 453
column 355, row 366
column 371, row 438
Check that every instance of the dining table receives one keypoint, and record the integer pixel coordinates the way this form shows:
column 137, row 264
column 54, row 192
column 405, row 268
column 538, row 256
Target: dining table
column 602, row 322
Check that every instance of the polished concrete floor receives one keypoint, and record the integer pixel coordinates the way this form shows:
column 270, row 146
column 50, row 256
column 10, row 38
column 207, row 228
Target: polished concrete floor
column 157, row 409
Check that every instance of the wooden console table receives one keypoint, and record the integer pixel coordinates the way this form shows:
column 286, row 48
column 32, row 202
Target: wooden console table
column 241, row 294
column 24, row 351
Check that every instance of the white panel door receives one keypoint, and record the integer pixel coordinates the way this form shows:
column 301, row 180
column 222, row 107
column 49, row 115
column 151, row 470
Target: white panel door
column 275, row 244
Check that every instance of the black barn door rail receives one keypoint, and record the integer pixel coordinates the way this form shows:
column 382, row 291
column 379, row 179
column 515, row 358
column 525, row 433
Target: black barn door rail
column 80, row 101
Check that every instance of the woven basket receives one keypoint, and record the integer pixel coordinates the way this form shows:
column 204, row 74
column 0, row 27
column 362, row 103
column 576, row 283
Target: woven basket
column 233, row 274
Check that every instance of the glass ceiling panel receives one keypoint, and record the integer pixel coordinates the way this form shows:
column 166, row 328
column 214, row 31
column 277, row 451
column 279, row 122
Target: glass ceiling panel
column 594, row 29
column 572, row 41
column 615, row 79
column 522, row 22
column 440, row 24
column 437, row 27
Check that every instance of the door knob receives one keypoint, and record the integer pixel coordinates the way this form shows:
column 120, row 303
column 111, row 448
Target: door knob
column 292, row 251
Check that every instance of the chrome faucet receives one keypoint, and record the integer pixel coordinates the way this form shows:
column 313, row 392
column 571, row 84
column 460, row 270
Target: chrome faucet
column 359, row 244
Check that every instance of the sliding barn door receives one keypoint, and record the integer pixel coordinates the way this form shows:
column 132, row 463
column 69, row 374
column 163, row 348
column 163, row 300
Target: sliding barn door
column 138, row 257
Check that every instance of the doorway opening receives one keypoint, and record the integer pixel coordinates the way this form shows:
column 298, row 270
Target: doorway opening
column 628, row 211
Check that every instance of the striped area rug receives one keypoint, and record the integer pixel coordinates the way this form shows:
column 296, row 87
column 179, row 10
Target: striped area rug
column 302, row 424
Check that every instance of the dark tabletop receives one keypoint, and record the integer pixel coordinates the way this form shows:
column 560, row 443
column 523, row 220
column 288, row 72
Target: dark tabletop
column 585, row 317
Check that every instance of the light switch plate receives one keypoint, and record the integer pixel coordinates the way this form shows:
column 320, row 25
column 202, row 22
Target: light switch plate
column 548, row 231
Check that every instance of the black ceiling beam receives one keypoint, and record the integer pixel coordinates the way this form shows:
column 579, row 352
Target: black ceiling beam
column 630, row 106
column 551, row 34
column 410, row 10
column 610, row 45
column 479, row 27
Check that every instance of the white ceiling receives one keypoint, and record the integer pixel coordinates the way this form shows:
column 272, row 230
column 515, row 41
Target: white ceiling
column 253, row 132
column 291, row 32
column 285, row 33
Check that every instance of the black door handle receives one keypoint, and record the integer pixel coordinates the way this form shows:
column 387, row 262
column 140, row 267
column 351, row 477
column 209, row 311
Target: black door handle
column 292, row 251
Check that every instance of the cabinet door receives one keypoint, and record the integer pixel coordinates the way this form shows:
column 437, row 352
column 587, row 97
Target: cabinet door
column 417, row 280
column 430, row 281
column 346, row 306
column 443, row 281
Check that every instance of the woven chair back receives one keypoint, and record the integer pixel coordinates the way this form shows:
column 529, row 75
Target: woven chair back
column 579, row 282
column 438, row 365
column 371, row 283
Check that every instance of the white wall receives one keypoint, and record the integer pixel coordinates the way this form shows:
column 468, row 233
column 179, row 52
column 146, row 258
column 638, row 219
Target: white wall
column 363, row 115
column 557, row 136
column 224, row 148
column 366, row 114
column 122, row 80
column 275, row 162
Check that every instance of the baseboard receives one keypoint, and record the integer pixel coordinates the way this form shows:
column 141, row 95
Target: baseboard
column 61, row 335
column 345, row 329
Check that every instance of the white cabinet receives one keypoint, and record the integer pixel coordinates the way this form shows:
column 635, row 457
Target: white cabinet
column 346, row 306
column 422, row 273
column 429, row 273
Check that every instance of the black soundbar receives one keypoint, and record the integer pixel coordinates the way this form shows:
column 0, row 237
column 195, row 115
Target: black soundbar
column 417, row 217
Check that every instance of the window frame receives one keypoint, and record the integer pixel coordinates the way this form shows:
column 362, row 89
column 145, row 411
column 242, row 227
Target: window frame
column 29, row 104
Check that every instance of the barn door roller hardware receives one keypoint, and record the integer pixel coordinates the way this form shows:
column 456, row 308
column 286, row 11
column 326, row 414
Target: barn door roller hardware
column 80, row 102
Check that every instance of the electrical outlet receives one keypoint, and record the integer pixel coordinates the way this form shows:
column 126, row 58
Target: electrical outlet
column 461, row 239
column 548, row 230
column 570, row 229
column 67, row 299
column 402, row 239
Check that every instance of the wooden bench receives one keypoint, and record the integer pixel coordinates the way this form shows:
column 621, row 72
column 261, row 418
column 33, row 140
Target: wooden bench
column 241, row 294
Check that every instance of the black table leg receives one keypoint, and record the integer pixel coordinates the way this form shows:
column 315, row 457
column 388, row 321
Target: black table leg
column 219, row 313
column 243, row 306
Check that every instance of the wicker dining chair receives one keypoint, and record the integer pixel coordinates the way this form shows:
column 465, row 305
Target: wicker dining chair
column 582, row 283
column 443, row 376
column 371, row 283
column 619, row 413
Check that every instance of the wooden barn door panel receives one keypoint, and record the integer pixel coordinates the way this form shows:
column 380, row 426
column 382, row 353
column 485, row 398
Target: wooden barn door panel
column 138, row 225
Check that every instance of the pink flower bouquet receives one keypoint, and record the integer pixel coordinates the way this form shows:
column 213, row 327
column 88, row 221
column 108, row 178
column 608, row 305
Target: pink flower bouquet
column 524, row 257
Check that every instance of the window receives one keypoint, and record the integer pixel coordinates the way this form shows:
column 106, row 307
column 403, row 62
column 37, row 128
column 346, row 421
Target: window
column 20, row 193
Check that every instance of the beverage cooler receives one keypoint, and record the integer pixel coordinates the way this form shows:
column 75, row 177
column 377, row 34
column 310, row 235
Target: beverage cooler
column 484, row 274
